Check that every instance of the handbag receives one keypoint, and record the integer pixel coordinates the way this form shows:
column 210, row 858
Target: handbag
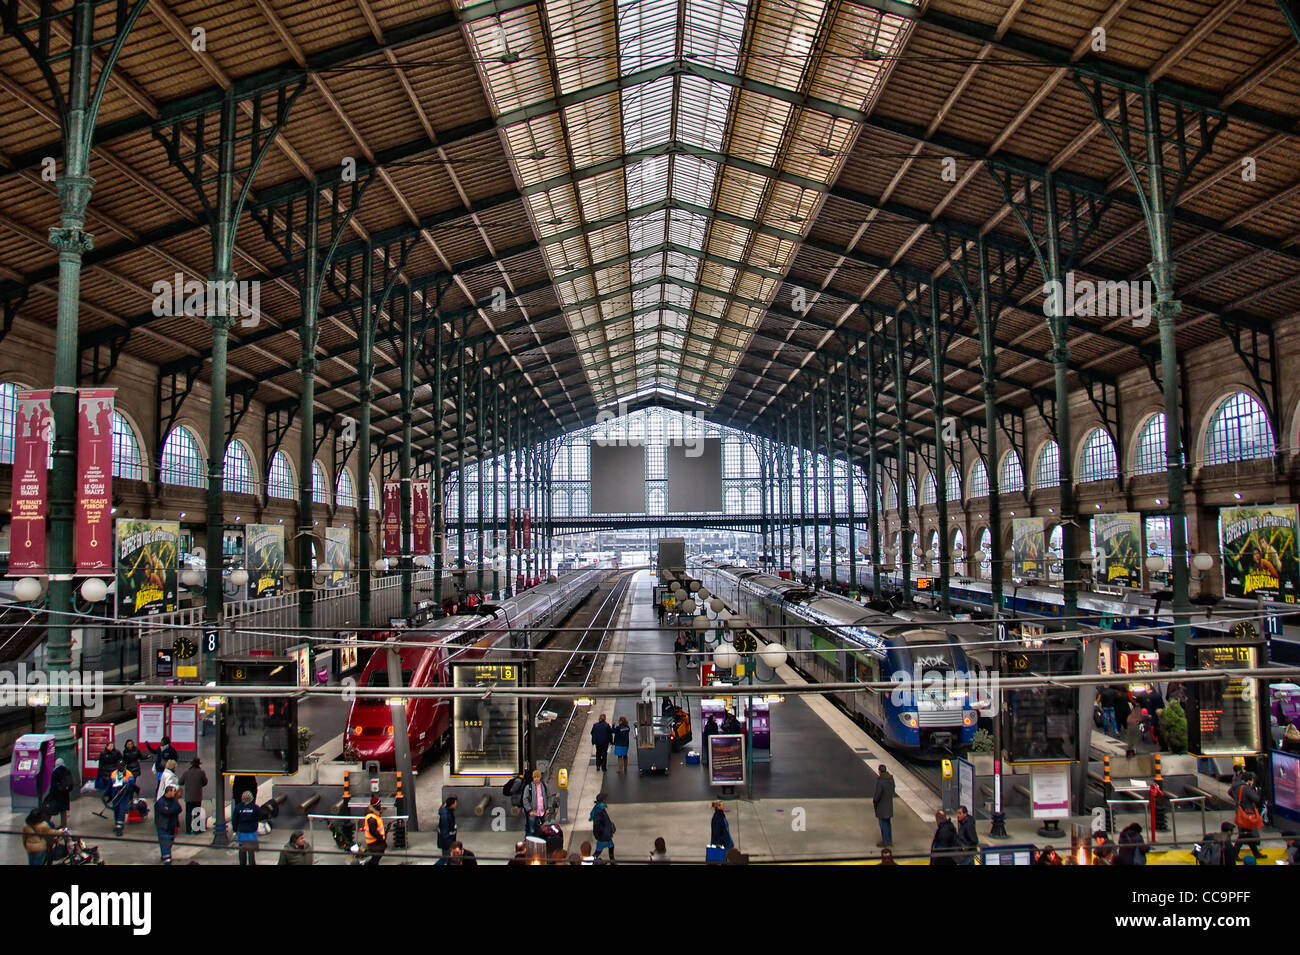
column 715, row 854
column 1247, row 818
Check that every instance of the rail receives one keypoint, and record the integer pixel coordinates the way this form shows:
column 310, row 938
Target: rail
column 1143, row 806
column 619, row 590
column 328, row 819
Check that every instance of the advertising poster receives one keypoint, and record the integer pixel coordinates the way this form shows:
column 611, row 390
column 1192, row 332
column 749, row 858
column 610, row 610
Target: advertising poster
column 1051, row 792
column 95, row 737
column 485, row 733
column 1286, row 785
column 1259, row 552
column 421, row 541
column 726, row 759
column 146, row 566
column 338, row 555
column 33, row 432
column 392, row 519
column 265, row 556
column 1119, row 539
column 511, row 533
column 1028, row 547
column 528, row 528
column 150, row 723
column 184, row 726
column 95, row 481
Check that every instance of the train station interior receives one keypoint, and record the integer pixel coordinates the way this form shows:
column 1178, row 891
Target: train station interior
column 543, row 432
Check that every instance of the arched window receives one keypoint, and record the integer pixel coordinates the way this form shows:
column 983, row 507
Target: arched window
column 182, row 460
column 560, row 504
column 958, row 555
column 754, row 501
column 658, row 502
column 732, row 501
column 928, row 490
column 911, row 493
column 345, row 493
column 279, row 481
column 1012, row 475
column 891, row 497
column 1239, row 431
column 1097, row 459
column 1049, row 466
column 320, row 485
column 953, row 483
column 933, row 547
column 1149, row 455
column 986, row 552
column 979, row 480
column 374, row 495
column 128, row 461
column 237, row 470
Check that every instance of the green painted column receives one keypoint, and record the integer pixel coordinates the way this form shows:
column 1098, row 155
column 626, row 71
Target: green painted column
column 439, row 520
column 904, row 466
column 480, row 446
column 407, row 559
column 460, row 451
column 496, row 490
column 830, row 476
column 988, row 369
column 875, row 495
column 307, row 411
column 850, row 484
column 940, row 453
column 366, row 395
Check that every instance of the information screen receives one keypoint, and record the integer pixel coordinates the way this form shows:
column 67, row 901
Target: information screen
column 1286, row 785
column 259, row 734
column 1041, row 724
column 726, row 759
column 485, row 734
column 1224, row 720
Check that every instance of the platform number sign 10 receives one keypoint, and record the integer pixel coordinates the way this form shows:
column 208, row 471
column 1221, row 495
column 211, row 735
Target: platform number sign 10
column 211, row 640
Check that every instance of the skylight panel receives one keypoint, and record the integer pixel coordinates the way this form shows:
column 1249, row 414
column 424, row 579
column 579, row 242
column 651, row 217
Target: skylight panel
column 647, row 114
column 647, row 181
column 693, row 179
column 647, row 33
column 713, row 33
column 577, row 28
column 647, row 231
column 702, row 112
column 687, row 228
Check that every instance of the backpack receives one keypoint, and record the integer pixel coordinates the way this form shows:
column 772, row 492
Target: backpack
column 1211, row 853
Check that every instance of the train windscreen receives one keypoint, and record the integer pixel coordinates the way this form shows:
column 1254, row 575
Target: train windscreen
column 378, row 679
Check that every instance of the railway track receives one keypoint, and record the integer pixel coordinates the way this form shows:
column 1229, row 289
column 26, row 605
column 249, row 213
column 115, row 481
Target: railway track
column 552, row 741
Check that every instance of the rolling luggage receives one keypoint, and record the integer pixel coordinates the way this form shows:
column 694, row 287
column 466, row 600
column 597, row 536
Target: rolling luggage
column 553, row 835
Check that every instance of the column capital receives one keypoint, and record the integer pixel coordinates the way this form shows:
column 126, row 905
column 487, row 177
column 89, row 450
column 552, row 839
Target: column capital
column 72, row 240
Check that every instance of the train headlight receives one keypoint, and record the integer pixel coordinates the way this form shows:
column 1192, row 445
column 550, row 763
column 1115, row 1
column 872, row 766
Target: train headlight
column 356, row 731
column 909, row 719
column 969, row 718
column 389, row 730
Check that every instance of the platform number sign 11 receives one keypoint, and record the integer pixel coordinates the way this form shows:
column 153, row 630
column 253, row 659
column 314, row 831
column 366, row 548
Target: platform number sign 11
column 211, row 640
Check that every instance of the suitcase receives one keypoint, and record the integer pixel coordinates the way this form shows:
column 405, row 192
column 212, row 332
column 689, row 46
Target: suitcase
column 692, row 758
column 553, row 835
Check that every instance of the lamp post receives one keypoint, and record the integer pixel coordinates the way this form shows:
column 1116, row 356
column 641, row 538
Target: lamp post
column 726, row 657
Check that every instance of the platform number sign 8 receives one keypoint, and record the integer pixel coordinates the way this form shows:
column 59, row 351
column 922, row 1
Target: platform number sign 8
column 210, row 640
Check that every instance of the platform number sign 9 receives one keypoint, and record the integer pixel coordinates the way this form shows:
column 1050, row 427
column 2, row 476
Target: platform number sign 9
column 211, row 640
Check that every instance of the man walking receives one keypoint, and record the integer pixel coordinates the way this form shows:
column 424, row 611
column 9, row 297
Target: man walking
column 943, row 846
column 967, row 838
column 883, row 800
column 602, row 734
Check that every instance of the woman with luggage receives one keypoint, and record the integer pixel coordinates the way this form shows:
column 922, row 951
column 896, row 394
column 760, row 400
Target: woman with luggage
column 622, row 740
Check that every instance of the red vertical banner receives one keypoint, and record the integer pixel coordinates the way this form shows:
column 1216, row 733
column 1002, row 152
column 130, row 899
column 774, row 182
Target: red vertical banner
column 420, row 517
column 511, row 531
column 33, row 431
column 528, row 527
column 95, row 481
column 392, row 519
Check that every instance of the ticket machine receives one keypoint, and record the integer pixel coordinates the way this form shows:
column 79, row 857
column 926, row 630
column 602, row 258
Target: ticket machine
column 31, row 768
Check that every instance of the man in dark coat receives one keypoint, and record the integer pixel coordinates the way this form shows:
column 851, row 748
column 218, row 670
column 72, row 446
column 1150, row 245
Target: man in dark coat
column 943, row 848
column 967, row 838
column 166, row 819
column 883, row 801
column 710, row 729
column 719, row 829
column 296, row 851
column 602, row 734
column 108, row 760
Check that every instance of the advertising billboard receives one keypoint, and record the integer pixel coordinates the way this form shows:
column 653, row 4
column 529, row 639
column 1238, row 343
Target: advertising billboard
column 146, row 566
column 265, row 556
column 33, row 432
column 1259, row 552
column 1028, row 547
column 1119, row 539
column 95, row 481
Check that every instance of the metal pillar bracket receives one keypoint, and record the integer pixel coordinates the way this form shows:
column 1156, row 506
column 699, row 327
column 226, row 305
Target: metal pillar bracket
column 99, row 352
column 239, row 397
column 175, row 383
column 279, row 419
column 1256, row 346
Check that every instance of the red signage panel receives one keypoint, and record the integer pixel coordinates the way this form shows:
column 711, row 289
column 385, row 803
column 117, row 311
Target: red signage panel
column 33, row 432
column 95, row 481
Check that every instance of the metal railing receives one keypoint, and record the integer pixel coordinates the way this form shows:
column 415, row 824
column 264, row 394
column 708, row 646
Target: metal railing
column 1143, row 806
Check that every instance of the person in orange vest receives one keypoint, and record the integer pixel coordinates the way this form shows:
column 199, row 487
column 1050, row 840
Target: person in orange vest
column 376, row 840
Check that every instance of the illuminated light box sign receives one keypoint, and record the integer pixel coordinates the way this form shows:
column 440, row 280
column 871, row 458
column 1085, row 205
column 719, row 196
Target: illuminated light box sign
column 1259, row 552
column 486, row 734
column 1223, row 717
column 726, row 759
column 1040, row 724
column 259, row 734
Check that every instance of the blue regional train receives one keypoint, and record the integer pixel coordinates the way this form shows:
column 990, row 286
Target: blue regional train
column 843, row 642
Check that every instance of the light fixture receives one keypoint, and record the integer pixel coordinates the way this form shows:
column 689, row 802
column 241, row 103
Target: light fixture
column 701, row 624
column 182, row 515
column 1202, row 561
column 1236, row 495
column 238, row 577
column 94, row 590
column 725, row 657
column 688, row 606
column 978, row 556
column 112, row 510
column 1099, row 507
column 584, row 701
column 1155, row 564
column 190, row 577
column 716, row 604
column 27, row 589
column 773, row 656
column 238, row 518
column 1159, row 502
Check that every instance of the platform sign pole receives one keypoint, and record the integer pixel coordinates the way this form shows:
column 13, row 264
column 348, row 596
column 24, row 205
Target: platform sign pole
column 999, row 827
column 1088, row 665
column 219, row 836
column 401, row 738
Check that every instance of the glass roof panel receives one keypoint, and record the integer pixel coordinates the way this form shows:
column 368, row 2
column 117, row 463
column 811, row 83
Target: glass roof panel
column 702, row 114
column 693, row 179
column 647, row 181
column 713, row 32
column 647, row 33
column 648, row 114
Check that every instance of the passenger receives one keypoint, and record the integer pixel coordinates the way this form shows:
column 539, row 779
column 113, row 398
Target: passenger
column 109, row 758
column 710, row 729
column 296, row 851
column 1103, row 850
column 1249, row 822
column 659, row 854
column 167, row 820
column 883, row 801
column 38, row 836
column 131, row 759
column 460, row 855
column 192, row 782
column 241, row 785
column 535, row 802
column 1107, row 702
column 164, row 754
column 244, row 817
column 1155, row 705
column 1132, row 846
column 121, row 793
column 679, row 650
column 602, row 827
column 1292, row 853
column 447, row 825
column 59, row 799
column 1134, row 728
column 520, row 856
column 1048, row 857
column 575, row 858
column 376, row 833
column 168, row 777
column 720, row 829
column 622, row 740
column 602, row 734
column 887, row 857
column 559, row 857
column 967, row 838
column 1218, row 848
column 587, row 858
column 943, row 846
column 730, row 724
column 1122, row 710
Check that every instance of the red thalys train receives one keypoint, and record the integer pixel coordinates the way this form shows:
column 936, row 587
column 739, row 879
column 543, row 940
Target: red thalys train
column 427, row 652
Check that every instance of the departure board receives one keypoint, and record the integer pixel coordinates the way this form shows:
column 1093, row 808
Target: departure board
column 1224, row 717
column 1040, row 724
column 486, row 733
